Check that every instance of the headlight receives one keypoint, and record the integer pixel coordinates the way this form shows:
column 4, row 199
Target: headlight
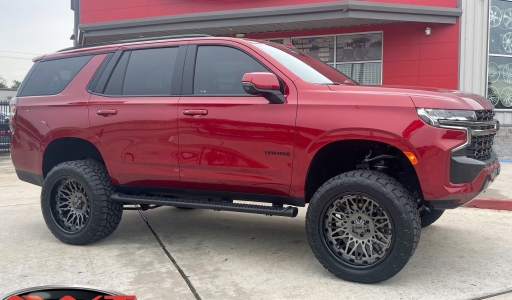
column 433, row 116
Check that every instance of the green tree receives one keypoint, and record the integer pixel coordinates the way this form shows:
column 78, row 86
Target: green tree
column 3, row 84
column 15, row 84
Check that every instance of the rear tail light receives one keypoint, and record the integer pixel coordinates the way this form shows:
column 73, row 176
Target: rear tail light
column 12, row 115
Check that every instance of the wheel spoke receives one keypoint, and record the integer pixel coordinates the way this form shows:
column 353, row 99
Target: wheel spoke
column 61, row 204
column 382, row 224
column 65, row 194
column 379, row 242
column 382, row 237
column 336, row 231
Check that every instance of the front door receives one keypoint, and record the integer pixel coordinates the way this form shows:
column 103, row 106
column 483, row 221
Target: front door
column 229, row 140
column 134, row 117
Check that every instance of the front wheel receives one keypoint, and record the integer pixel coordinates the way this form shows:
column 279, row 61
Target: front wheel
column 76, row 205
column 363, row 226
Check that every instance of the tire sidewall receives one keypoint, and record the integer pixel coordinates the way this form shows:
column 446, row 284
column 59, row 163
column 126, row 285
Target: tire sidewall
column 402, row 240
column 61, row 172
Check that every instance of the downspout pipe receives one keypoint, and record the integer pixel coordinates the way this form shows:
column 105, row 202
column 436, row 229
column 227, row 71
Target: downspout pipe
column 75, row 6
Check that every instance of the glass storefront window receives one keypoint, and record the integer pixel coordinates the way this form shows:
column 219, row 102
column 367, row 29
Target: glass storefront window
column 321, row 48
column 364, row 73
column 499, row 73
column 359, row 56
column 359, row 47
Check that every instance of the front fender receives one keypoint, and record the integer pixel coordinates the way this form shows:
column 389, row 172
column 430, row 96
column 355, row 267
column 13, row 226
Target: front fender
column 389, row 125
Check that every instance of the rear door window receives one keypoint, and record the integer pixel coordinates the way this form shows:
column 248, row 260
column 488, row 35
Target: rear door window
column 53, row 76
column 115, row 84
column 149, row 72
column 219, row 70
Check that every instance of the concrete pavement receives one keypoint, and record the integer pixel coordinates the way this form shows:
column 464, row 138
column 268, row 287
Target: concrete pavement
column 465, row 255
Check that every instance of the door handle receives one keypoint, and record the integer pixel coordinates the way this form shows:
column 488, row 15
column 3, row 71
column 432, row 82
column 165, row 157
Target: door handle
column 195, row 112
column 107, row 112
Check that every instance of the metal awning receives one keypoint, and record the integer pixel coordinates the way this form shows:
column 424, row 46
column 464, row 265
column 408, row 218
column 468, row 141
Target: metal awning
column 269, row 19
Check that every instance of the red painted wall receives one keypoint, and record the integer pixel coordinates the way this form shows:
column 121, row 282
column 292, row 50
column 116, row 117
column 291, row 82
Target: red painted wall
column 409, row 56
column 93, row 11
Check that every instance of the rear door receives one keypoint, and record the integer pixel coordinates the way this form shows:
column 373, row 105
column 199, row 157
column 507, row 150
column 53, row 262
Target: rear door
column 229, row 140
column 133, row 113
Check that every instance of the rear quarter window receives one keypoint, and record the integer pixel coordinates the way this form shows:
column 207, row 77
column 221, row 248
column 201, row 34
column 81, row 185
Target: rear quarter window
column 53, row 76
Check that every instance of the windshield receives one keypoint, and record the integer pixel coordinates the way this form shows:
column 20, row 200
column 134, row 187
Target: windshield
column 304, row 66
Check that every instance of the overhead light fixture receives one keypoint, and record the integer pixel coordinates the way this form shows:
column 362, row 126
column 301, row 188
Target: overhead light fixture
column 428, row 31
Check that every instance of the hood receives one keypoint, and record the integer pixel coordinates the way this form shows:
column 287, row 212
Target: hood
column 432, row 97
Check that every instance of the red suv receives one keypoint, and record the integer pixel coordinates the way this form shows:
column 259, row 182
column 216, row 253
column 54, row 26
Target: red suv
column 199, row 122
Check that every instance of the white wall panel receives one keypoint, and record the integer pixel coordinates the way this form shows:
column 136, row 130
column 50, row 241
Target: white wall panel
column 4, row 93
column 473, row 46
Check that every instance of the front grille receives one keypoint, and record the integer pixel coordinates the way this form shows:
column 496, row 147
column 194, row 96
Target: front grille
column 485, row 115
column 480, row 147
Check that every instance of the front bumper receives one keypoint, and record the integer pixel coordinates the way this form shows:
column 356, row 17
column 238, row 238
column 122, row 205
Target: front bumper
column 464, row 169
column 468, row 178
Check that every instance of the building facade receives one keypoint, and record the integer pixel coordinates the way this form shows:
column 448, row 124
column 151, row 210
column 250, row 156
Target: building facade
column 451, row 44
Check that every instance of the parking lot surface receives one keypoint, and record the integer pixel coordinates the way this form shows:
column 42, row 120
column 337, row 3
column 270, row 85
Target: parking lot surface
column 467, row 254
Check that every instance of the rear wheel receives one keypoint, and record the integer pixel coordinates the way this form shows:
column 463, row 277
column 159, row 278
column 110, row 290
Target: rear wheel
column 76, row 205
column 363, row 226
column 428, row 217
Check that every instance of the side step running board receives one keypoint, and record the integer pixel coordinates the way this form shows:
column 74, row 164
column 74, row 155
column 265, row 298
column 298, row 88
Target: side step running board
column 289, row 211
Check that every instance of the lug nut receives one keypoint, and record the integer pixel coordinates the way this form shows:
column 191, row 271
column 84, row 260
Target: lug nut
column 359, row 217
column 361, row 235
column 367, row 230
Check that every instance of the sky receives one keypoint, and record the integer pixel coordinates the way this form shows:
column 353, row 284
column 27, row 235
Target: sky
column 29, row 28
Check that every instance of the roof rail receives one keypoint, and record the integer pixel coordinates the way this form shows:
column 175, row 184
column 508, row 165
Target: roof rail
column 169, row 37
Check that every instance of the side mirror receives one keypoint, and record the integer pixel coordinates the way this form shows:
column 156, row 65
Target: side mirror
column 263, row 84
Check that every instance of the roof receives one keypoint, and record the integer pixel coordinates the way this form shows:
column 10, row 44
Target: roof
column 270, row 19
column 160, row 38
column 113, row 46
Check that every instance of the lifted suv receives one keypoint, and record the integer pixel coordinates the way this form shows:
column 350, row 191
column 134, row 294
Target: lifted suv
column 198, row 122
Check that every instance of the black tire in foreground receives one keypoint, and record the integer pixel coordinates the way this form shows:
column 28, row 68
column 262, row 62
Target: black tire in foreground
column 75, row 200
column 428, row 217
column 363, row 226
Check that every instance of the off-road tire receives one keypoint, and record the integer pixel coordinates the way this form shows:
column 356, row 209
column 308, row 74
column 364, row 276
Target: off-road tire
column 105, row 215
column 429, row 217
column 401, row 209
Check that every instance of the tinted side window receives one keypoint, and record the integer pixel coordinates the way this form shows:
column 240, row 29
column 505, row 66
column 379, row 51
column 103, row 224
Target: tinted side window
column 53, row 76
column 149, row 72
column 115, row 83
column 219, row 70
